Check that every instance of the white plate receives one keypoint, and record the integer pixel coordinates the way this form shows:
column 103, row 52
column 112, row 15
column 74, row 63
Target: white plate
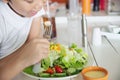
column 58, row 78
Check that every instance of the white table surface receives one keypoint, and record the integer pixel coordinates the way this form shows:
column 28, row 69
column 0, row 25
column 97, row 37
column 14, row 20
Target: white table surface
column 106, row 55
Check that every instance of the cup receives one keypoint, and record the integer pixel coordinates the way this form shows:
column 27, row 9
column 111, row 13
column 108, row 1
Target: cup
column 52, row 27
column 94, row 73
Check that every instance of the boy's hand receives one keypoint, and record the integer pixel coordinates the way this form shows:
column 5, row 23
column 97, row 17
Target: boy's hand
column 34, row 51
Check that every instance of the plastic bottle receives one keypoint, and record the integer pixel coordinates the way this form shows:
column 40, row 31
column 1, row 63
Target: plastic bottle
column 86, row 7
column 96, row 4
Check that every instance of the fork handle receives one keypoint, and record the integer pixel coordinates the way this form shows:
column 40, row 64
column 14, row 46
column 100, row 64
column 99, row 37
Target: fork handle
column 36, row 68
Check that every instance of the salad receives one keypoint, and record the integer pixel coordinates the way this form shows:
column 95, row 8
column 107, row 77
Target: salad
column 62, row 61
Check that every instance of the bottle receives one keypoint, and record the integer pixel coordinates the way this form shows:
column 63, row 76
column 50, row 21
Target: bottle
column 73, row 7
column 86, row 7
column 67, row 4
column 96, row 5
column 102, row 4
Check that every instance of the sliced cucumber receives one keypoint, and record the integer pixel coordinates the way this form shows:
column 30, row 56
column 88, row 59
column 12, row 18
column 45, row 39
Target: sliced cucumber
column 60, row 74
column 52, row 75
column 71, row 71
column 44, row 74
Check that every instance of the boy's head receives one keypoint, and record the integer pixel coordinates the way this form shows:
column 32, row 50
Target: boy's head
column 25, row 8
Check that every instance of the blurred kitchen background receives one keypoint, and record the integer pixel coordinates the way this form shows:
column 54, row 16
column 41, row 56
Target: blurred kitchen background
column 103, row 7
column 99, row 13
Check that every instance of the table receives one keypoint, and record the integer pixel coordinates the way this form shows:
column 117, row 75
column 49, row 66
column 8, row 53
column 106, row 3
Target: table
column 106, row 55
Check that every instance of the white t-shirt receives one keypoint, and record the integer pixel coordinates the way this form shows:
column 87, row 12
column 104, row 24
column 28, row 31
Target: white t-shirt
column 14, row 30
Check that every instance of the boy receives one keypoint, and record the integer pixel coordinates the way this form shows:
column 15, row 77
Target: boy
column 21, row 42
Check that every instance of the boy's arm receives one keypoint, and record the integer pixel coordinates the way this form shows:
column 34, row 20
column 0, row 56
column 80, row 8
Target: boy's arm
column 36, row 30
column 10, row 66
column 29, row 54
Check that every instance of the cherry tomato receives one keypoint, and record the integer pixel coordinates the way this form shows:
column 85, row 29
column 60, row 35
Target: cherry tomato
column 58, row 69
column 50, row 71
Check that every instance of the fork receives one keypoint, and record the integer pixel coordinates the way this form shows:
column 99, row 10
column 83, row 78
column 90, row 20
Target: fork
column 47, row 35
column 36, row 68
column 48, row 32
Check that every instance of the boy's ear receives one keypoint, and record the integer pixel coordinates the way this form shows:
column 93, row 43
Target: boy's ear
column 6, row 1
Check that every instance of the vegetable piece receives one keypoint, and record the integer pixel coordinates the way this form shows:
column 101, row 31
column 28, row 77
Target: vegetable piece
column 71, row 71
column 50, row 71
column 29, row 70
column 60, row 74
column 44, row 74
column 45, row 63
column 58, row 69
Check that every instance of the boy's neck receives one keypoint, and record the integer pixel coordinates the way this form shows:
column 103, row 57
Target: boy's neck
column 14, row 10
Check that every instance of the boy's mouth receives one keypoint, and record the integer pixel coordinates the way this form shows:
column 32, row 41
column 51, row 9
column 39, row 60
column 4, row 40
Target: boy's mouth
column 33, row 13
